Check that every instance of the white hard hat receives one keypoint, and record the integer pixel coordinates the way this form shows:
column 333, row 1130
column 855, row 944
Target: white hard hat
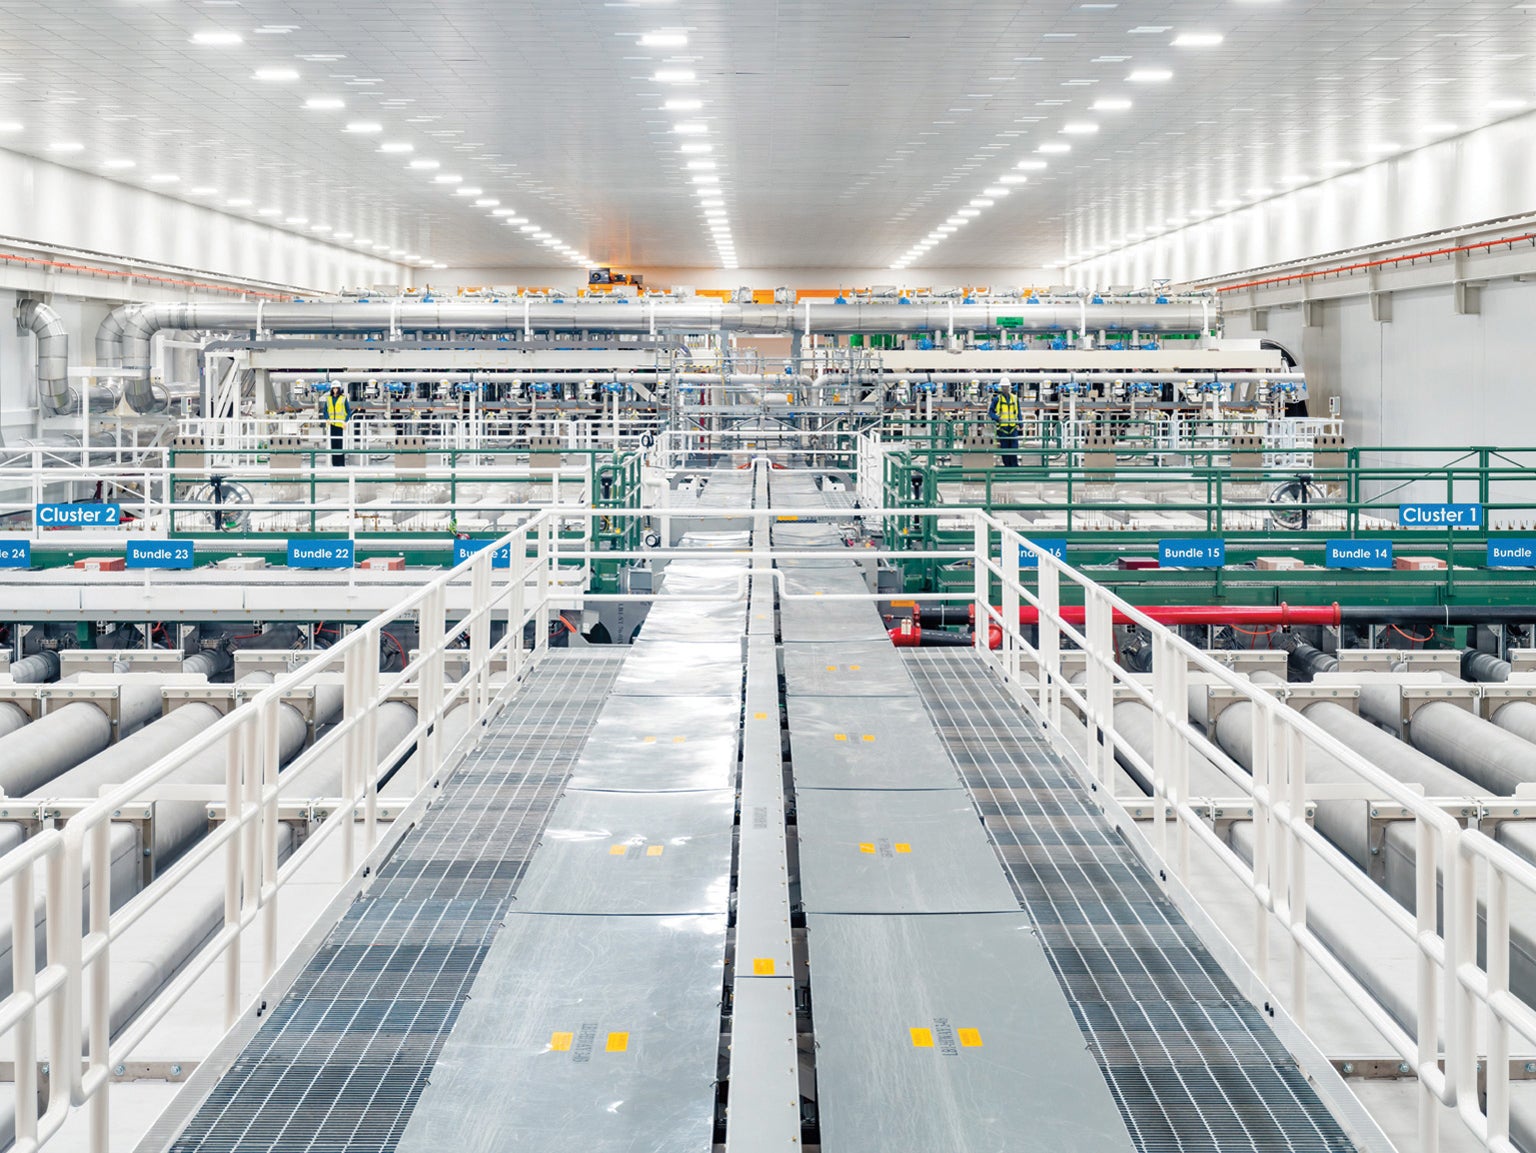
column 1004, row 382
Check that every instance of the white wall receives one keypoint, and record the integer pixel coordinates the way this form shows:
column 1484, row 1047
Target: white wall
column 1427, row 377
column 1480, row 176
column 51, row 204
column 760, row 278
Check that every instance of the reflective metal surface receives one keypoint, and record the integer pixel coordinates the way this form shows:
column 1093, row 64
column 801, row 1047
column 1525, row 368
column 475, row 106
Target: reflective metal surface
column 950, row 1033
column 897, row 852
column 855, row 669
column 678, row 668
column 590, row 1034
column 847, row 743
column 645, row 853
column 649, row 743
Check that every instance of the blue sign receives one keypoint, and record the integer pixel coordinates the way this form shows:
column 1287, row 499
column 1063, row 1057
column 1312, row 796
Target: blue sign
column 464, row 549
column 15, row 554
column 1358, row 554
column 159, row 554
column 1204, row 552
column 321, row 554
column 1512, row 553
column 79, row 515
column 1055, row 546
column 1440, row 515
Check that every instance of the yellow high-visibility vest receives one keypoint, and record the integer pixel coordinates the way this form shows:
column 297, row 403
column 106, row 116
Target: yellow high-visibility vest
column 337, row 410
column 1007, row 411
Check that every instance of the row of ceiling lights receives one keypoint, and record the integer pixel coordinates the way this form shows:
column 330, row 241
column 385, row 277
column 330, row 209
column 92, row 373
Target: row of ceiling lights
column 701, row 168
column 278, row 75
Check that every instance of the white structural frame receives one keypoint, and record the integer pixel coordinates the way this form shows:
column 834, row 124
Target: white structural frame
column 1458, row 1000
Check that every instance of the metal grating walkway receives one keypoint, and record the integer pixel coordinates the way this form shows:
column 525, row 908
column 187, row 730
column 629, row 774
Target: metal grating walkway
column 343, row 1058
column 1191, row 1064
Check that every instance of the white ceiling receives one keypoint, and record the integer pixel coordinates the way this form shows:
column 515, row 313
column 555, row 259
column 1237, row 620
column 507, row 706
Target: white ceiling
column 843, row 133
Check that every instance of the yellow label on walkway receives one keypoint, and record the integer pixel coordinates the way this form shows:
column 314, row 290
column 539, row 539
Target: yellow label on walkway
column 617, row 1043
column 869, row 738
column 839, row 736
column 618, row 850
column 866, row 847
column 561, row 1042
column 654, row 850
column 903, row 847
column 762, row 966
column 969, row 1038
column 921, row 1038
column 760, row 716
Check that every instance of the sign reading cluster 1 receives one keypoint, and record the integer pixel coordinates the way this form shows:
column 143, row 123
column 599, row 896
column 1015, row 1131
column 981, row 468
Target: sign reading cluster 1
column 1205, row 552
column 78, row 515
column 1440, row 515
column 321, row 554
column 1358, row 554
column 464, row 549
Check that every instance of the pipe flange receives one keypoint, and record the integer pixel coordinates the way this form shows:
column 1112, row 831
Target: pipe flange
column 222, row 698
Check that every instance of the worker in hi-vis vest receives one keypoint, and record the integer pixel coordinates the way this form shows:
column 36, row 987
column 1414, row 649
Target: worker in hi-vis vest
column 337, row 412
column 1004, row 415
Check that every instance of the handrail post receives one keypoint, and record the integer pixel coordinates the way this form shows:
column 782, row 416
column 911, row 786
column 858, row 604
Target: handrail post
column 1011, row 546
column 431, row 631
column 981, row 621
column 480, row 630
column 1048, row 643
column 234, row 748
column 1099, row 632
column 1263, row 834
column 270, row 753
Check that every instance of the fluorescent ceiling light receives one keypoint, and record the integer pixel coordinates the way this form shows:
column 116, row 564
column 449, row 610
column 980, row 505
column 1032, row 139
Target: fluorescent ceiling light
column 119, row 165
column 1197, row 40
column 239, row 202
column 397, row 252
column 955, row 221
column 270, row 212
column 505, row 212
column 690, row 128
column 342, row 236
column 701, row 165
column 324, row 103
column 1010, row 178
column 663, row 40
column 397, row 146
column 381, row 248
column 66, row 146
column 1054, row 148
column 1440, row 129
column 674, row 76
column 365, row 127
column 447, row 178
column 1228, row 202
column 1505, row 105
column 1031, row 165
column 697, row 148
column 1080, row 128
column 529, row 228
column 217, row 39
column 969, row 212
column 1386, row 147
column 487, row 202
column 424, row 165
column 1150, row 76
column 466, row 191
column 706, row 178
column 1111, row 104
column 711, row 203
column 276, row 75
column 994, row 192
column 683, row 105
column 982, row 202
column 204, row 192
column 164, row 178
column 413, row 256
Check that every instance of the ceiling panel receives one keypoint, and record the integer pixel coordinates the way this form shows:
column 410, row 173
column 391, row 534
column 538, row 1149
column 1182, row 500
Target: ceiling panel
column 842, row 134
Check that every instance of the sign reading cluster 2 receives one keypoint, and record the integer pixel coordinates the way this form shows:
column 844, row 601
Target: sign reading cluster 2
column 159, row 554
column 321, row 554
column 1358, row 554
column 78, row 515
column 1205, row 552
column 1055, row 546
column 1440, row 515
column 1512, row 553
column 15, row 554
column 464, row 549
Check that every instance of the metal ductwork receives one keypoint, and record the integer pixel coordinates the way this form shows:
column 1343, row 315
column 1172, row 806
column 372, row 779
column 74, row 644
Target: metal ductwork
column 54, row 393
column 124, row 337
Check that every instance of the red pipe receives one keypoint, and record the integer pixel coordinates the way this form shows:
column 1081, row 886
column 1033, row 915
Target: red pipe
column 1366, row 265
column 1282, row 614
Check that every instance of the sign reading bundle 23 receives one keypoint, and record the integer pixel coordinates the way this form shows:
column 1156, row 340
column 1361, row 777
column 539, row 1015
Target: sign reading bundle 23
column 78, row 515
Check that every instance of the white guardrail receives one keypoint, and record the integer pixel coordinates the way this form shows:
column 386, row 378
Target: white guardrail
column 73, row 989
column 1458, row 999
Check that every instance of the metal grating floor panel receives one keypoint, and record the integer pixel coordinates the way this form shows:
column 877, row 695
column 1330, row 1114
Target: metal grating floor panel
column 1191, row 1064
column 343, row 1058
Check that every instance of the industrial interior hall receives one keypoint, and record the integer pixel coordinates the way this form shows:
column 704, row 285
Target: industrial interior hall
column 679, row 576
